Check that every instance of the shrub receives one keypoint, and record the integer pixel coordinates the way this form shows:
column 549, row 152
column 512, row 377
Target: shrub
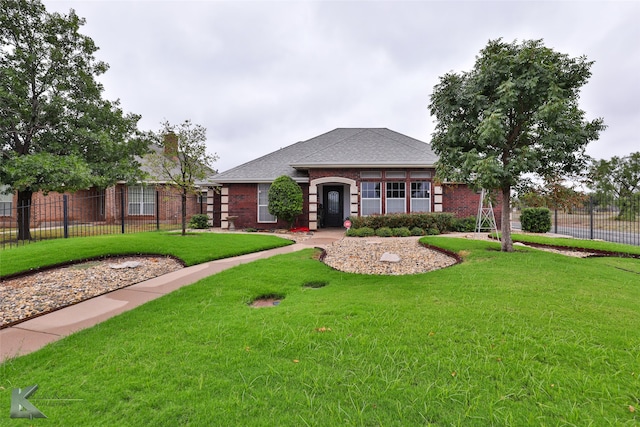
column 401, row 232
column 417, row 231
column 250, row 230
column 285, row 199
column 464, row 225
column 442, row 221
column 536, row 220
column 384, row 232
column 199, row 221
column 361, row 232
column 433, row 231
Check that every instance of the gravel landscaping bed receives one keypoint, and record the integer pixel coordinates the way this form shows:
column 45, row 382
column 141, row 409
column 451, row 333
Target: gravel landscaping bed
column 28, row 296
column 388, row 255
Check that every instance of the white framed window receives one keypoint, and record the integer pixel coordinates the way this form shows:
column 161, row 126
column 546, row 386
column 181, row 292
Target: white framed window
column 142, row 200
column 263, row 204
column 421, row 196
column 395, row 174
column 420, row 174
column 371, row 200
column 396, row 197
column 6, row 201
column 371, row 174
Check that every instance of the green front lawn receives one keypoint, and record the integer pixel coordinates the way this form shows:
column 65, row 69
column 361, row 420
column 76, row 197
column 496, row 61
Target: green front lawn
column 528, row 338
column 194, row 248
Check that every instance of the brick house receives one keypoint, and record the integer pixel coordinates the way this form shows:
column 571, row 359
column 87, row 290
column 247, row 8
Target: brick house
column 345, row 172
column 141, row 201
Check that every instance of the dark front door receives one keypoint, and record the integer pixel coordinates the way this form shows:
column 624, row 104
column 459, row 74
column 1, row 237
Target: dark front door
column 333, row 206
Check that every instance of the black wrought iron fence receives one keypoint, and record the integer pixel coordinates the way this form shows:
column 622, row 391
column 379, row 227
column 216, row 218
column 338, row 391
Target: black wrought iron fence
column 598, row 217
column 95, row 212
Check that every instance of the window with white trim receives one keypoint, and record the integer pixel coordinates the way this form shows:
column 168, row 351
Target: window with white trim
column 6, row 201
column 396, row 199
column 420, row 196
column 370, row 198
column 142, row 200
column 263, row 204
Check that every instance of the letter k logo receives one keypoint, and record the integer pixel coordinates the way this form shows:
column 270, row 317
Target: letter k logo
column 21, row 407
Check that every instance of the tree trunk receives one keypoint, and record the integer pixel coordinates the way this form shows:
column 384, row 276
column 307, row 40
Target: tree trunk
column 24, row 215
column 184, row 211
column 507, row 243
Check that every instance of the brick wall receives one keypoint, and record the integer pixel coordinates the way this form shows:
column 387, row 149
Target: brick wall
column 243, row 203
column 462, row 201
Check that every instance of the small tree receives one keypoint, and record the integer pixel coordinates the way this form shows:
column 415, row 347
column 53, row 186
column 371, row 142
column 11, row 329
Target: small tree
column 515, row 112
column 183, row 160
column 285, row 199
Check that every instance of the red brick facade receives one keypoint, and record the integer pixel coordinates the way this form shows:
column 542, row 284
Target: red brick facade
column 101, row 206
column 241, row 199
column 462, row 201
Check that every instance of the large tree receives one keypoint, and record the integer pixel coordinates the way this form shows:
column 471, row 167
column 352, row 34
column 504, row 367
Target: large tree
column 182, row 161
column 620, row 177
column 57, row 133
column 515, row 112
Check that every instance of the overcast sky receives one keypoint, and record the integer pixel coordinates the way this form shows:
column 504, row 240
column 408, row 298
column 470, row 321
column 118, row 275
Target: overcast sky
column 261, row 75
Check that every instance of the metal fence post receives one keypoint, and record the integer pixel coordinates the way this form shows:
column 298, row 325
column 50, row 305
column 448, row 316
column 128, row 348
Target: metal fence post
column 157, row 209
column 122, row 208
column 65, row 215
column 555, row 220
column 591, row 217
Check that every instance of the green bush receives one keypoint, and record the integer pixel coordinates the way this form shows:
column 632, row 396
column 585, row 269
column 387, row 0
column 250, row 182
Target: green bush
column 361, row 232
column 440, row 220
column 433, row 231
column 417, row 231
column 285, row 199
column 464, row 225
column 401, row 232
column 384, row 232
column 199, row 221
column 250, row 230
column 536, row 220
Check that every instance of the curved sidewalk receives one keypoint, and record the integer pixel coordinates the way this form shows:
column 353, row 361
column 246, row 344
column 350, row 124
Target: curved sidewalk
column 34, row 334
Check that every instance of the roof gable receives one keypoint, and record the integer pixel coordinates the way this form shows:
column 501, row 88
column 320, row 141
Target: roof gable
column 342, row 147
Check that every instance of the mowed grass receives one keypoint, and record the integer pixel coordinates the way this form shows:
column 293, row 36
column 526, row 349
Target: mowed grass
column 527, row 338
column 193, row 248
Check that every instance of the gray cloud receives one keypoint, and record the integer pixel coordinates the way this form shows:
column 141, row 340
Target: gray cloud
column 261, row 75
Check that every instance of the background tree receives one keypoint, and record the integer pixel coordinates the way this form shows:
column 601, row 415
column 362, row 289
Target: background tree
column 56, row 131
column 285, row 199
column 182, row 160
column 515, row 112
column 620, row 177
column 556, row 193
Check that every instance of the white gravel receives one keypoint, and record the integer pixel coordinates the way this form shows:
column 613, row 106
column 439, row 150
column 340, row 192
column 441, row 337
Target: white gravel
column 363, row 255
column 38, row 293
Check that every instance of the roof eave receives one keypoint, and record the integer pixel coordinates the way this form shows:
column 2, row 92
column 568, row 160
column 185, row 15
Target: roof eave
column 362, row 165
column 299, row 180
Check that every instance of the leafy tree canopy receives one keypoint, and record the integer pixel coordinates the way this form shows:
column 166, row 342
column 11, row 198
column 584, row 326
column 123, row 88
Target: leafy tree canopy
column 51, row 106
column 285, row 199
column 515, row 112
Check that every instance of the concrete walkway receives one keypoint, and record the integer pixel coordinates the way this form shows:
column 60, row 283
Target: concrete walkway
column 34, row 334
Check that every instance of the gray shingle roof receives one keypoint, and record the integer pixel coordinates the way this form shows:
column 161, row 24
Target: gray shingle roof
column 342, row 147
